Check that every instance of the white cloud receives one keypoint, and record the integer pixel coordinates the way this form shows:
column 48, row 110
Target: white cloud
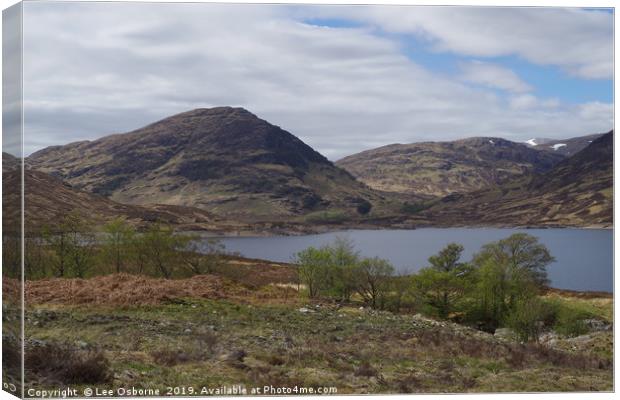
column 494, row 76
column 100, row 68
column 580, row 41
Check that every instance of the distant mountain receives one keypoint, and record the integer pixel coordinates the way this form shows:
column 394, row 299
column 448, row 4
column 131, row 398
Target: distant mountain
column 224, row 160
column 565, row 147
column 577, row 192
column 441, row 168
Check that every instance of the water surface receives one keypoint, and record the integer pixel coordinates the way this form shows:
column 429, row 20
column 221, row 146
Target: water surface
column 584, row 257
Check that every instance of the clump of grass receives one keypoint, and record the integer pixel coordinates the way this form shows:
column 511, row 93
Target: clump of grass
column 200, row 349
column 365, row 369
column 68, row 365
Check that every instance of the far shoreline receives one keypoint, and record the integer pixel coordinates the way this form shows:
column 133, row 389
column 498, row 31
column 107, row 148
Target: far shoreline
column 323, row 229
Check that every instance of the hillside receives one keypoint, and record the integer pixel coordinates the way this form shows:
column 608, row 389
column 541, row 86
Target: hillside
column 48, row 200
column 565, row 147
column 9, row 162
column 441, row 168
column 224, row 160
column 172, row 331
column 576, row 192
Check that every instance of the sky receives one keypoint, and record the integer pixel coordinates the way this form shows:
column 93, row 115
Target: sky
column 342, row 78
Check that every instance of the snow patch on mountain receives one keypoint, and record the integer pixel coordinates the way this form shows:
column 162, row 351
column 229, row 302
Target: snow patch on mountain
column 558, row 145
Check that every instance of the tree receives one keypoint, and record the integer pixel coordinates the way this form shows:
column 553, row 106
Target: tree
column 375, row 274
column 35, row 256
column 160, row 247
column 507, row 271
column 343, row 274
column 72, row 243
column 448, row 258
column 313, row 267
column 445, row 282
column 523, row 254
column 203, row 257
column 117, row 243
column 60, row 248
column 11, row 254
column 81, row 243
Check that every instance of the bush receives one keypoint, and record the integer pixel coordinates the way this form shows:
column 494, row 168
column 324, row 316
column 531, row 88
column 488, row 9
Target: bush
column 570, row 323
column 526, row 319
column 364, row 207
column 68, row 365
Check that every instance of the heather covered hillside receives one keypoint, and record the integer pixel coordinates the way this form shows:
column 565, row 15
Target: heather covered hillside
column 224, row 160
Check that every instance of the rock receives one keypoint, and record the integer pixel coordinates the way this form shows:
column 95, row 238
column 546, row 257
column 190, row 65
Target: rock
column 236, row 355
column 504, row 333
column 37, row 342
column 597, row 325
column 549, row 338
column 305, row 310
column 187, row 330
column 82, row 344
column 129, row 374
column 580, row 339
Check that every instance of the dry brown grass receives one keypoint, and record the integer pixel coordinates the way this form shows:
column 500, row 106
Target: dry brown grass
column 579, row 295
column 255, row 273
column 11, row 290
column 126, row 289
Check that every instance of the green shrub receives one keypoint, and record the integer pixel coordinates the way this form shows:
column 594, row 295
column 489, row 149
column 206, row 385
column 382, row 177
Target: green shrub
column 526, row 318
column 570, row 322
column 364, row 207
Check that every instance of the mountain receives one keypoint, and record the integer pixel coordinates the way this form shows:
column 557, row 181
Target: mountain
column 565, row 147
column 441, row 168
column 578, row 191
column 9, row 162
column 48, row 200
column 224, row 160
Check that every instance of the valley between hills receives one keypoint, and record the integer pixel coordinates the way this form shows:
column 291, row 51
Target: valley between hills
column 226, row 171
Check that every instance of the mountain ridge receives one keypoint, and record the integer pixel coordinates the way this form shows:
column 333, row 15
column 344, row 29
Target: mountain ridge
column 437, row 168
column 577, row 192
column 223, row 159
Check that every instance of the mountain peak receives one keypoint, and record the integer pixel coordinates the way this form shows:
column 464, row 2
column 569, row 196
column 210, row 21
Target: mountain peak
column 224, row 159
column 220, row 110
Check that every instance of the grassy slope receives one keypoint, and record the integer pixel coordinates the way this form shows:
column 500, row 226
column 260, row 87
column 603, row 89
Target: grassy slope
column 285, row 348
column 442, row 168
column 576, row 192
column 180, row 340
